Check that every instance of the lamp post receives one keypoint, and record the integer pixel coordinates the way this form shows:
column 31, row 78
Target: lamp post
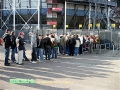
column 113, row 28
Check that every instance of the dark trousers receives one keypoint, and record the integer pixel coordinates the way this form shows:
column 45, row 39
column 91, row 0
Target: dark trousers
column 71, row 51
column 81, row 49
column 13, row 55
column 47, row 52
column 7, row 52
column 34, row 57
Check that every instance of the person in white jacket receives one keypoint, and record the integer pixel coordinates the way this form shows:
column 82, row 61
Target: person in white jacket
column 77, row 45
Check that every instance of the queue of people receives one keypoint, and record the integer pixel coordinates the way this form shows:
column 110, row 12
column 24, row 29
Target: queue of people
column 50, row 45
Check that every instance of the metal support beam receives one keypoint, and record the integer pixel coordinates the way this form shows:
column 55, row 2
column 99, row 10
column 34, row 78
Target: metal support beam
column 65, row 17
column 89, row 15
column 38, row 15
column 14, row 15
column 94, row 23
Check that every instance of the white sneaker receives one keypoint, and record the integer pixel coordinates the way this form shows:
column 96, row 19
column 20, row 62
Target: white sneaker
column 34, row 62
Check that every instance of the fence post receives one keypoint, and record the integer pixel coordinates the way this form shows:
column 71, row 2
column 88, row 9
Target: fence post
column 100, row 48
column 113, row 50
column 105, row 47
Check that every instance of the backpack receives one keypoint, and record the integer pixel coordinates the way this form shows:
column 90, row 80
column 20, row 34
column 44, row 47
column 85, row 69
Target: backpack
column 73, row 41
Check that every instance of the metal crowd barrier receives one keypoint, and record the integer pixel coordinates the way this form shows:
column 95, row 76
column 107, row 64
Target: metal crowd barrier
column 106, row 46
column 116, row 48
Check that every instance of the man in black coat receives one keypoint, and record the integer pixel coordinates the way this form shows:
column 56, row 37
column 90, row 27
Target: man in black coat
column 7, row 44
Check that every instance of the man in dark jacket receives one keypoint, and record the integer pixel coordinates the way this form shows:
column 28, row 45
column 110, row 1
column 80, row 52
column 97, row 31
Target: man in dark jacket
column 13, row 46
column 7, row 44
column 47, row 45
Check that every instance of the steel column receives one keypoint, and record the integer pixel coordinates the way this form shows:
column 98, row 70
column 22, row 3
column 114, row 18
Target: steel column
column 38, row 15
column 95, row 17
column 65, row 17
column 14, row 15
column 89, row 15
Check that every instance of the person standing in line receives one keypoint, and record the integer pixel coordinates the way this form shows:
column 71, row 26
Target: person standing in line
column 34, row 46
column 97, row 43
column 24, row 53
column 81, row 44
column 40, row 47
column 63, row 45
column 77, row 45
column 67, row 45
column 7, row 44
column 91, row 44
column 54, row 47
column 37, row 49
column 21, row 48
column 72, row 43
column 13, row 46
column 47, row 46
column 58, row 42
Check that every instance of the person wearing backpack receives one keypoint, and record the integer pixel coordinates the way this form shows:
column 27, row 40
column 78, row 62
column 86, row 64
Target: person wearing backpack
column 13, row 46
column 7, row 44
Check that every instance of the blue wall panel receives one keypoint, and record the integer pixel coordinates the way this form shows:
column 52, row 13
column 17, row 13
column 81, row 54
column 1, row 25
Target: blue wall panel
column 44, row 11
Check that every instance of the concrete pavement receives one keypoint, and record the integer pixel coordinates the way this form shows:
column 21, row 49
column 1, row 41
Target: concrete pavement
column 85, row 72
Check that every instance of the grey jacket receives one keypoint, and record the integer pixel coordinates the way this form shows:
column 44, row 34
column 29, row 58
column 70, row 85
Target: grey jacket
column 33, row 41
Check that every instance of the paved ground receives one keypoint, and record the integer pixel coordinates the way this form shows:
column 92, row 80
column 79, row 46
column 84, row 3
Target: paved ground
column 85, row 72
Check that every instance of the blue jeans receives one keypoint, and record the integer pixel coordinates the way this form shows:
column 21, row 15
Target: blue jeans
column 13, row 55
column 41, row 54
column 7, row 52
column 38, row 52
column 67, row 50
column 76, row 50
column 54, row 53
column 47, row 52
column 81, row 49
column 63, row 49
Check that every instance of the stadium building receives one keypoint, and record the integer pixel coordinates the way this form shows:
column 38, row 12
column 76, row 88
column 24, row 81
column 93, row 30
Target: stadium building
column 55, row 14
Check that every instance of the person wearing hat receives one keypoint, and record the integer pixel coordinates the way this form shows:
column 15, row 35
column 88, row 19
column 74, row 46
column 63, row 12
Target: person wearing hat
column 7, row 44
column 21, row 48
